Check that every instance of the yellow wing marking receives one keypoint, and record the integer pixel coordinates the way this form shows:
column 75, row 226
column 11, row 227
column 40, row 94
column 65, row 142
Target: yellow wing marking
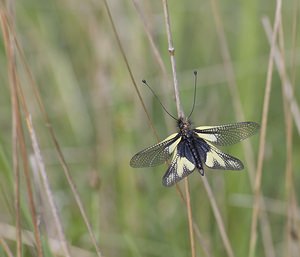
column 184, row 165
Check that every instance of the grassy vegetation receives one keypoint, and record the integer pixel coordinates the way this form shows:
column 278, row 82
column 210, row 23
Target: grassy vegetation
column 90, row 107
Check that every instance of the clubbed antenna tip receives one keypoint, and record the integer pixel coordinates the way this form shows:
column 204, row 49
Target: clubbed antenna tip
column 195, row 86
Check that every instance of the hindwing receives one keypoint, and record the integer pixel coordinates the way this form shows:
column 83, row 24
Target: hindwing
column 182, row 164
column 214, row 158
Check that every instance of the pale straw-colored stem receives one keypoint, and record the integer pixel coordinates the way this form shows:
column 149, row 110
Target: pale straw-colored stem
column 262, row 141
column 180, row 113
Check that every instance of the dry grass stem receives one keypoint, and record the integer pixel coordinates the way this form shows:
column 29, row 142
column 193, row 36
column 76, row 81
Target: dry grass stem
column 204, row 243
column 7, row 232
column 180, row 114
column 229, row 71
column 70, row 76
column 292, row 209
column 48, row 191
column 57, row 148
column 218, row 218
column 273, row 206
column 201, row 239
column 19, row 142
column 10, row 51
column 6, row 247
column 163, row 68
column 190, row 216
column 75, row 192
column 265, row 111
column 37, row 151
column 288, row 89
column 171, row 50
column 133, row 80
column 26, row 169
column 155, row 51
column 128, row 67
column 15, row 124
column 249, row 154
column 292, row 206
column 150, row 39
column 290, row 191
column 43, row 171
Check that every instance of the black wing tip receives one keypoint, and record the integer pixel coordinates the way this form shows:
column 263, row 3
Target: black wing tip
column 254, row 124
column 257, row 126
column 253, row 128
column 241, row 167
column 167, row 181
column 166, row 184
column 201, row 171
column 132, row 164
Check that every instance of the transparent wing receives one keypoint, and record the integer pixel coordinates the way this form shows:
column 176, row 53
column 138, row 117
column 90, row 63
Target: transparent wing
column 156, row 154
column 214, row 158
column 227, row 134
column 182, row 165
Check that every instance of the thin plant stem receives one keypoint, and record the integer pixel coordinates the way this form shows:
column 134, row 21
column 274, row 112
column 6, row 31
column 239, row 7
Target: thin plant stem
column 267, row 238
column 15, row 139
column 10, row 50
column 218, row 218
column 21, row 140
column 180, row 113
column 32, row 208
column 150, row 38
column 249, row 153
column 8, row 232
column 6, row 248
column 262, row 141
column 204, row 246
column 292, row 209
column 288, row 89
column 58, row 150
column 128, row 66
column 16, row 168
column 292, row 206
column 289, row 186
column 43, row 173
column 190, row 218
column 48, row 191
column 148, row 116
column 153, row 46
column 171, row 50
column 161, row 64
column 42, row 170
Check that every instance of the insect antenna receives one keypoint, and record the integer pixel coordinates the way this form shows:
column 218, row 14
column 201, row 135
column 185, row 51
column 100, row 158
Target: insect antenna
column 195, row 86
column 145, row 83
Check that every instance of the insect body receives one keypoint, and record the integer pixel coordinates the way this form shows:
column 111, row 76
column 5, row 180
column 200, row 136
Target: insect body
column 190, row 148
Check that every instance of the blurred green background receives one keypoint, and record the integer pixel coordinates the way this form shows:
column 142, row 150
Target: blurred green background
column 85, row 85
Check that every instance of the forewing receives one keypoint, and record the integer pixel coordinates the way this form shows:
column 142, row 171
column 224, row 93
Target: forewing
column 227, row 134
column 182, row 165
column 214, row 158
column 156, row 154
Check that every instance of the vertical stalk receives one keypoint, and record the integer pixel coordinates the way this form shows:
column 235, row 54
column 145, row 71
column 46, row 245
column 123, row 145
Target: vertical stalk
column 262, row 140
column 180, row 113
